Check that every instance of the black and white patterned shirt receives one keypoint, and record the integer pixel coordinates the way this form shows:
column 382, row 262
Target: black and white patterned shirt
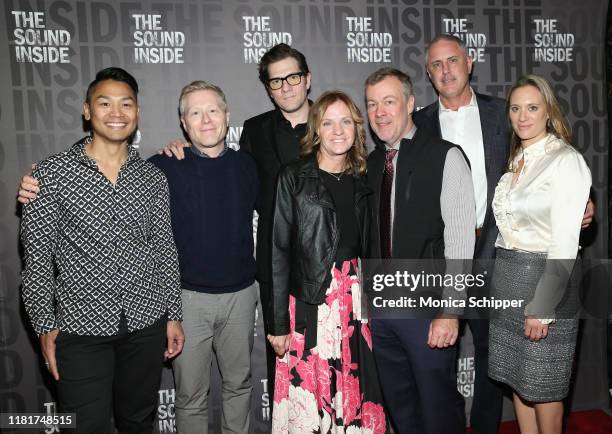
column 93, row 250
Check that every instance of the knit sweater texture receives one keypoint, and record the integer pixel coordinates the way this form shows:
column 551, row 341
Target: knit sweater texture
column 211, row 204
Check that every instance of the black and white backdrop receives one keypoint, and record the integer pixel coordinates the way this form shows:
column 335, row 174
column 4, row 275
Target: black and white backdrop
column 50, row 50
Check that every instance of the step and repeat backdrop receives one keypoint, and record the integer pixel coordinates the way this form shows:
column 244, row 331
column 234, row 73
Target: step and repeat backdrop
column 50, row 51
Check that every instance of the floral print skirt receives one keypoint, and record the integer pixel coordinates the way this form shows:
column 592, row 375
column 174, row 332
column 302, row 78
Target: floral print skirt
column 332, row 387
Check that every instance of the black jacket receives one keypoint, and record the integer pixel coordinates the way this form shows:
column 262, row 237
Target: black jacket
column 260, row 137
column 305, row 238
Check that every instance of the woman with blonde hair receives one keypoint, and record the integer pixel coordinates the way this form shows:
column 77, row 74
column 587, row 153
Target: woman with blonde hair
column 325, row 375
column 538, row 206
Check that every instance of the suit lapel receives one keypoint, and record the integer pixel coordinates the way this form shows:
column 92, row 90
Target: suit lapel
column 489, row 129
column 435, row 117
column 494, row 140
column 432, row 115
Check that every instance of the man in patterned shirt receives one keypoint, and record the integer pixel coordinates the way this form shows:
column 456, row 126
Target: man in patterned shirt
column 101, row 280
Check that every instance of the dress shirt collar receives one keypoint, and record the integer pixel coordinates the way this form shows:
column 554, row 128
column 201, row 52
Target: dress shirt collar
column 539, row 148
column 442, row 108
column 78, row 151
column 409, row 135
column 199, row 153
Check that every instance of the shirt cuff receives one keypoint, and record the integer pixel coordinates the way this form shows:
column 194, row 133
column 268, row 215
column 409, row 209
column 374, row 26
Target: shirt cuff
column 44, row 325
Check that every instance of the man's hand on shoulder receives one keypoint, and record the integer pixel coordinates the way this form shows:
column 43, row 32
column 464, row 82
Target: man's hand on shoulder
column 174, row 149
column 28, row 189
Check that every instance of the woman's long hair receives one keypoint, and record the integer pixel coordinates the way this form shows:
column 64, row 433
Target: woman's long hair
column 557, row 124
column 356, row 156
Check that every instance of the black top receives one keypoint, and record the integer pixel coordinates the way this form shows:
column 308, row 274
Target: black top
column 288, row 138
column 306, row 236
column 273, row 142
column 342, row 192
column 341, row 187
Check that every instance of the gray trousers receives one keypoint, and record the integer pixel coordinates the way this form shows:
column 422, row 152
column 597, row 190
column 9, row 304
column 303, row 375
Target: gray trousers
column 223, row 324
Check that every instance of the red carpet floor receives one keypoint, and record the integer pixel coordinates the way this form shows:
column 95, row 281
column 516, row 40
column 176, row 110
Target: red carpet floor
column 580, row 422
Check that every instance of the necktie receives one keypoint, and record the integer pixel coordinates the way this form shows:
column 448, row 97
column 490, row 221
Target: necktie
column 385, row 204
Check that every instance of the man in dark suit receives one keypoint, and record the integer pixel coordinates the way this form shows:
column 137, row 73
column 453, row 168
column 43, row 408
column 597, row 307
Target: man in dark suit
column 423, row 208
column 273, row 138
column 478, row 124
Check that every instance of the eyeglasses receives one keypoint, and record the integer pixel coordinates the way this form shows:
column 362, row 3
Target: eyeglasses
column 292, row 79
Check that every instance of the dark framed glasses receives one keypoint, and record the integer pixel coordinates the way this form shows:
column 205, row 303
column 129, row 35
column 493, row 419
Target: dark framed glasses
column 291, row 79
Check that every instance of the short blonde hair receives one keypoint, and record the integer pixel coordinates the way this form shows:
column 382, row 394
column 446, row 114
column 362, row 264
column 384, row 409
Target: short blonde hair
column 194, row 86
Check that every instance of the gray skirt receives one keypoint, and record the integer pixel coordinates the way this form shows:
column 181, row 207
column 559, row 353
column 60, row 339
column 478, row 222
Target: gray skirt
column 536, row 371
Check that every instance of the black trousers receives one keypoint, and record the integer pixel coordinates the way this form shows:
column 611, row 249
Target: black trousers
column 265, row 294
column 102, row 373
column 486, row 411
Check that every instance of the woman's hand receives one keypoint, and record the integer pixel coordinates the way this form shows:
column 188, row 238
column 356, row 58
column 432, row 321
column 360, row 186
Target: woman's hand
column 535, row 330
column 280, row 344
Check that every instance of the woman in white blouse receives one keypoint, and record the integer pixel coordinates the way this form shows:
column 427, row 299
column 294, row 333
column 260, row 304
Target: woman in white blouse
column 538, row 206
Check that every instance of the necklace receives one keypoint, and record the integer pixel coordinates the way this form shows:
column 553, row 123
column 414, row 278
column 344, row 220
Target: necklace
column 333, row 175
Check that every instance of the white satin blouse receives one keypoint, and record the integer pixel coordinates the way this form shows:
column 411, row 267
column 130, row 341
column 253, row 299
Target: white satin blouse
column 543, row 210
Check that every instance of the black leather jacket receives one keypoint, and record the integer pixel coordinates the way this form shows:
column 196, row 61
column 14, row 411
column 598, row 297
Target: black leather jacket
column 305, row 238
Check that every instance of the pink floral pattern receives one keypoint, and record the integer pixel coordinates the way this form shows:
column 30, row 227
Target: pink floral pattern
column 373, row 417
column 325, row 389
column 367, row 334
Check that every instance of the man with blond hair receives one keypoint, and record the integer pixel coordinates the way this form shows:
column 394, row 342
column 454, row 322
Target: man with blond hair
column 212, row 198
